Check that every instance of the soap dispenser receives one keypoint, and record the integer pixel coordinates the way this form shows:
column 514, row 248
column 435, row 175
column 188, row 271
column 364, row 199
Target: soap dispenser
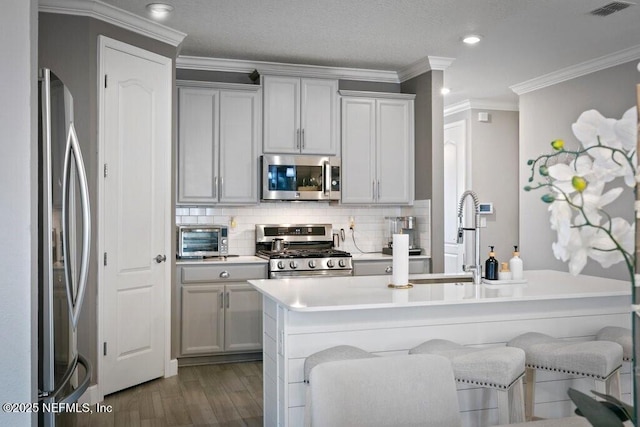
column 515, row 265
column 491, row 266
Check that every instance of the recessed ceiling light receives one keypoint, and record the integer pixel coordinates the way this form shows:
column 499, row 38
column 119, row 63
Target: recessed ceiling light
column 445, row 90
column 159, row 10
column 471, row 39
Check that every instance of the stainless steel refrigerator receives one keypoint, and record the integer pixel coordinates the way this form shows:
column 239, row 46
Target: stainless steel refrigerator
column 64, row 244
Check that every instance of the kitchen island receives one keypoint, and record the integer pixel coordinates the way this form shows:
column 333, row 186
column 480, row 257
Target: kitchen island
column 303, row 316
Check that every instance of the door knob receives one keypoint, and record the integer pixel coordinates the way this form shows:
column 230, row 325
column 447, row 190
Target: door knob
column 160, row 258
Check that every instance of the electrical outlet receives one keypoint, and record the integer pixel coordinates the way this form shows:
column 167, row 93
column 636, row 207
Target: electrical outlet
column 352, row 223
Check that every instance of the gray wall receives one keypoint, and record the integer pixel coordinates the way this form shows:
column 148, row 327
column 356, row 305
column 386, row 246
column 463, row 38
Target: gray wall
column 69, row 46
column 18, row 210
column 429, row 154
column 494, row 175
column 547, row 114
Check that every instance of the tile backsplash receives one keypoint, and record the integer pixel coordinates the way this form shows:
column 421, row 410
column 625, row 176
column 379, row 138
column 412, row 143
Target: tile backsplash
column 370, row 226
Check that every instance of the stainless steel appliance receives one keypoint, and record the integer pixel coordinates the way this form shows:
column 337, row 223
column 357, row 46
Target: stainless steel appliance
column 300, row 177
column 200, row 241
column 401, row 225
column 64, row 233
column 310, row 251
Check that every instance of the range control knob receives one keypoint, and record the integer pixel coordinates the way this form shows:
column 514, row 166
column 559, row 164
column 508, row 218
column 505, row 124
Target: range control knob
column 281, row 265
column 312, row 264
column 293, row 264
column 342, row 263
column 330, row 263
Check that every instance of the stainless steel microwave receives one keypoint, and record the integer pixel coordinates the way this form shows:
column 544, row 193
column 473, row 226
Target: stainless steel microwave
column 199, row 241
column 286, row 177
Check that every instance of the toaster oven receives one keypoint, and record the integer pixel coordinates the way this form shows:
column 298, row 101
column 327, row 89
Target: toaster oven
column 200, row 241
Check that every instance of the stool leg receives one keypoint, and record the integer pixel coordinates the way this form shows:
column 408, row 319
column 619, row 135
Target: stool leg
column 611, row 385
column 529, row 393
column 516, row 402
column 307, row 406
column 503, row 406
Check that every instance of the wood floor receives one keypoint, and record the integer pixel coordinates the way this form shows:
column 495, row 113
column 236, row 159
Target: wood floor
column 211, row 395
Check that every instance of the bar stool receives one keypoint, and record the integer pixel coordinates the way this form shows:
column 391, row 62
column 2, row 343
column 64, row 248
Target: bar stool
column 618, row 335
column 385, row 392
column 498, row 368
column 600, row 360
column 332, row 354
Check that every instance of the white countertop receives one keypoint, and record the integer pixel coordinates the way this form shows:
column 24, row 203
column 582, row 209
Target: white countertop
column 242, row 259
column 367, row 292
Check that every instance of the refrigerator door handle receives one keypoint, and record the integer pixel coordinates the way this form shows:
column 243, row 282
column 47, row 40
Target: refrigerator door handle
column 73, row 149
column 82, row 386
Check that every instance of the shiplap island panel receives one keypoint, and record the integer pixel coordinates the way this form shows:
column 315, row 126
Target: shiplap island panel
column 302, row 316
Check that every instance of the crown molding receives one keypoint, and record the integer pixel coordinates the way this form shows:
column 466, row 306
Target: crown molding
column 422, row 66
column 277, row 68
column 115, row 16
column 475, row 104
column 218, row 85
column 367, row 94
column 578, row 70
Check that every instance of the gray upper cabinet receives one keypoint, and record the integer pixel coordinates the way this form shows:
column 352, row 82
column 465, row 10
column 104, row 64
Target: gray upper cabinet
column 300, row 115
column 218, row 143
column 377, row 148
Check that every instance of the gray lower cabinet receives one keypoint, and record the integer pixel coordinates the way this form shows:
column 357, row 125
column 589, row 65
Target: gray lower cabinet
column 219, row 312
column 378, row 267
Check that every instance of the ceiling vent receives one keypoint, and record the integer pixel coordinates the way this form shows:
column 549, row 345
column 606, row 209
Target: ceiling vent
column 610, row 8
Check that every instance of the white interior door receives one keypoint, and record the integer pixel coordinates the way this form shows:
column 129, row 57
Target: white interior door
column 455, row 140
column 135, row 133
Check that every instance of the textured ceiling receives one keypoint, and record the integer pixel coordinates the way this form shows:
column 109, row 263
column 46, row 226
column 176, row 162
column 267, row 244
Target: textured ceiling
column 522, row 39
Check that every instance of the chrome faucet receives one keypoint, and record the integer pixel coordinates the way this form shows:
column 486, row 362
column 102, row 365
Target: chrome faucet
column 477, row 267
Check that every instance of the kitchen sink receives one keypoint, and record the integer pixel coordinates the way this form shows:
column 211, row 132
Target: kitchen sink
column 441, row 279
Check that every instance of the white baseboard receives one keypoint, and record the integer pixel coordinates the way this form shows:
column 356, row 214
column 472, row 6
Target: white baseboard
column 91, row 396
column 172, row 368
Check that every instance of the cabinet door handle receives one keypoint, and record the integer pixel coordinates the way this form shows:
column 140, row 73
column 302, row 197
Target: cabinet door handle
column 221, row 297
column 225, row 275
column 378, row 189
column 373, row 190
column 228, row 298
column 302, row 139
column 298, row 138
column 389, row 269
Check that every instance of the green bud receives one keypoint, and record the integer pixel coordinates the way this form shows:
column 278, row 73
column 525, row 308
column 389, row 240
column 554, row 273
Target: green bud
column 548, row 198
column 579, row 183
column 544, row 170
column 527, row 188
column 529, row 162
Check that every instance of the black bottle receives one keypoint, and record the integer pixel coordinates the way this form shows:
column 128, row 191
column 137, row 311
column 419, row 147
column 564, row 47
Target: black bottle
column 491, row 267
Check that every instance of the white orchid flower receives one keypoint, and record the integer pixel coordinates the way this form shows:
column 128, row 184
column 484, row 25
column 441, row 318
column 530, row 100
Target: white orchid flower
column 578, row 200
column 592, row 129
column 592, row 201
column 563, row 174
column 603, row 246
column 626, row 130
column 591, row 242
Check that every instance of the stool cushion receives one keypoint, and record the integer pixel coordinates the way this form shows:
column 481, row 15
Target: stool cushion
column 341, row 352
column 619, row 335
column 592, row 358
column 496, row 367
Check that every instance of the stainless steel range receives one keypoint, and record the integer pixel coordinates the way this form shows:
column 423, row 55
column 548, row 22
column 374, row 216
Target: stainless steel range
column 301, row 250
